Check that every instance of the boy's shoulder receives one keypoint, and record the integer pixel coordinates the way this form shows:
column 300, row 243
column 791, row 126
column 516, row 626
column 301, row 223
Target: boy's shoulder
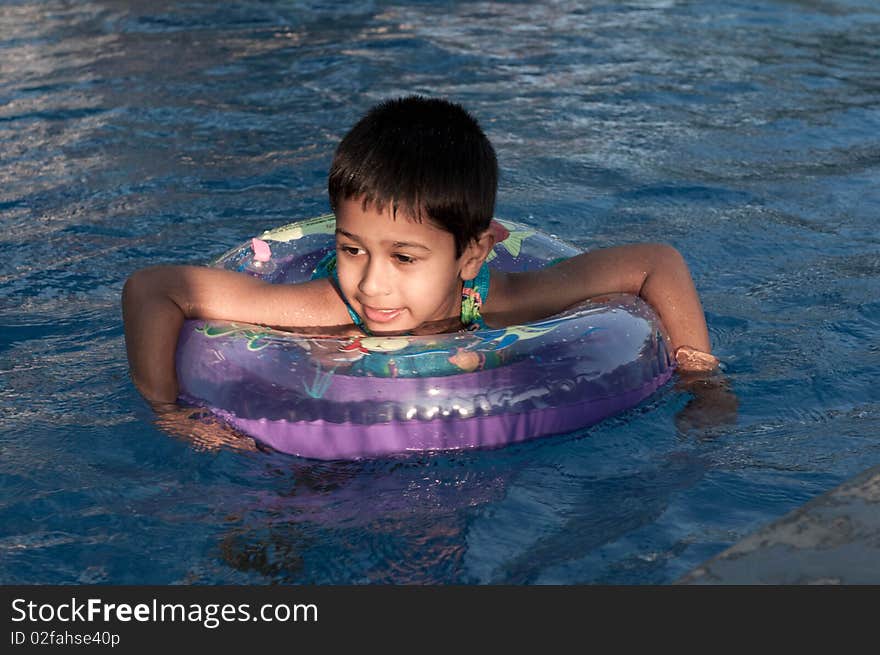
column 322, row 301
column 509, row 299
column 513, row 288
column 301, row 304
column 521, row 297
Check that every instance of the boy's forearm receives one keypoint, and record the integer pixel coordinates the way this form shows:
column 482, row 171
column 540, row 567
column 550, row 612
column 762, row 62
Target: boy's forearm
column 654, row 271
column 669, row 289
column 152, row 325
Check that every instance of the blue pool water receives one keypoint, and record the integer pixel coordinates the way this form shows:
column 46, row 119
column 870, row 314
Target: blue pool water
column 746, row 134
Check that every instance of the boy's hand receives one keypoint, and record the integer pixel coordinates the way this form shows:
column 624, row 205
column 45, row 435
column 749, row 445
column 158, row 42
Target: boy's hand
column 713, row 406
column 691, row 359
column 200, row 428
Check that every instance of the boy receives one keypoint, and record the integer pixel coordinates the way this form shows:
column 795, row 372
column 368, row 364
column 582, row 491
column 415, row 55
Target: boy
column 412, row 186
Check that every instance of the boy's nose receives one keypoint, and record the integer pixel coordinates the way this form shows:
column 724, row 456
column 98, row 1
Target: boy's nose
column 374, row 281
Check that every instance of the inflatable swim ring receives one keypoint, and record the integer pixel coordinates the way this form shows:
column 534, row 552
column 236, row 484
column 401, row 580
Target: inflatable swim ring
column 360, row 396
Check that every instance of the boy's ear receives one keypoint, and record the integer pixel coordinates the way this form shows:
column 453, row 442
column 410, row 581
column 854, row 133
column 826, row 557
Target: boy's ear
column 475, row 254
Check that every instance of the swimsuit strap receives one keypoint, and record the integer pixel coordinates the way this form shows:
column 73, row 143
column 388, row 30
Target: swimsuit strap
column 473, row 294
column 326, row 268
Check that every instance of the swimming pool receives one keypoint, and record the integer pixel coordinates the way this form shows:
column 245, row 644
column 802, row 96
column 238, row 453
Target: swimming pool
column 744, row 134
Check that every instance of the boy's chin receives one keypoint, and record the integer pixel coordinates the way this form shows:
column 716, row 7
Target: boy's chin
column 452, row 324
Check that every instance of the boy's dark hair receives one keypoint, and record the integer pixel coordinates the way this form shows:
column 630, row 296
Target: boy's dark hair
column 420, row 155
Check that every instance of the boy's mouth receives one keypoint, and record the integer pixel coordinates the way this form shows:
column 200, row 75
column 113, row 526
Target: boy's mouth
column 381, row 315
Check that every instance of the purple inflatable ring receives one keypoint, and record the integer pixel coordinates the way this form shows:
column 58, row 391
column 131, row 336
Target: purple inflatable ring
column 353, row 397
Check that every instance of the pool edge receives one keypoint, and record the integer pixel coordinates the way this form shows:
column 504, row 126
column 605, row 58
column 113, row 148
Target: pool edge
column 832, row 539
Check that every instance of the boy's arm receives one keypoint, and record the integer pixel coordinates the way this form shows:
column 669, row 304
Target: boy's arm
column 656, row 272
column 156, row 301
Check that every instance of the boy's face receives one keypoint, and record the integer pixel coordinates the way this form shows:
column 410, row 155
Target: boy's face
column 397, row 273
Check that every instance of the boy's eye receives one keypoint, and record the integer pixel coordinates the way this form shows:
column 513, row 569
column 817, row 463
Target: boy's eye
column 350, row 250
column 404, row 259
